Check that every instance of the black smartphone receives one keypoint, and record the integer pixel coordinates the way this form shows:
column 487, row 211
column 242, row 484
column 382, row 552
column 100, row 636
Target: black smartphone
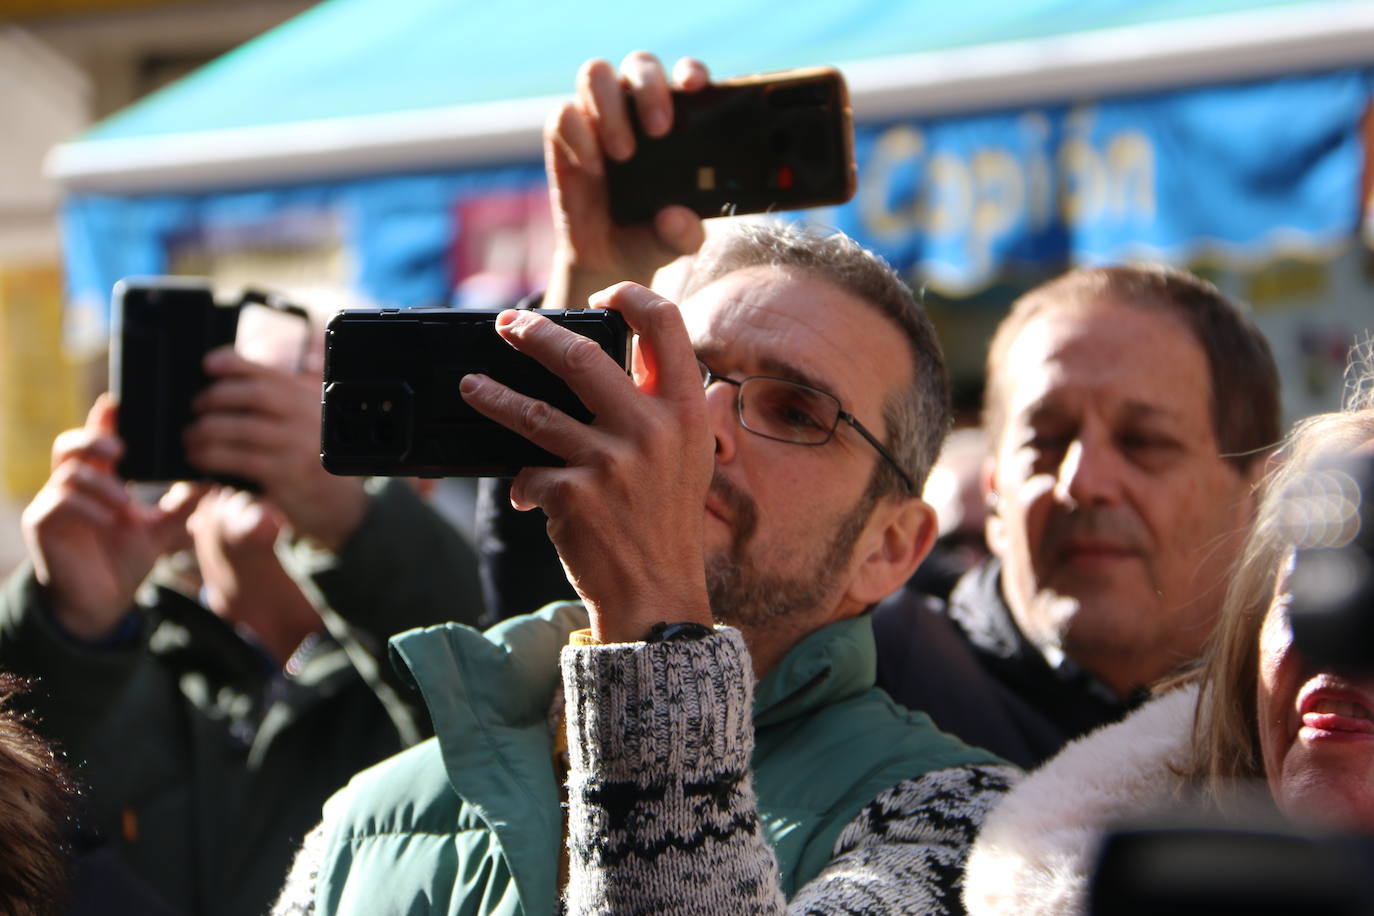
column 772, row 141
column 161, row 329
column 391, row 405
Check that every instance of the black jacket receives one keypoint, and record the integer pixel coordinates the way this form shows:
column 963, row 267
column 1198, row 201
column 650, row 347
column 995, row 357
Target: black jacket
column 971, row 669
column 204, row 766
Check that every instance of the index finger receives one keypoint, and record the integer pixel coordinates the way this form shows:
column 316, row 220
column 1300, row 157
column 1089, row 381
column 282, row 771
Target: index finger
column 227, row 361
column 690, row 74
column 649, row 88
column 597, row 380
column 602, row 97
column 669, row 361
column 95, row 441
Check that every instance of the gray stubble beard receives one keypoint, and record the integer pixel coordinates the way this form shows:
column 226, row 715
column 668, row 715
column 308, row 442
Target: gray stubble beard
column 742, row 596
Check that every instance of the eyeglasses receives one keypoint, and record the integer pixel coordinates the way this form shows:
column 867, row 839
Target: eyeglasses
column 787, row 411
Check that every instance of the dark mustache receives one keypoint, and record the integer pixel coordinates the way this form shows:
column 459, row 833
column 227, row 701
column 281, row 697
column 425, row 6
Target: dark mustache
column 743, row 511
column 1112, row 526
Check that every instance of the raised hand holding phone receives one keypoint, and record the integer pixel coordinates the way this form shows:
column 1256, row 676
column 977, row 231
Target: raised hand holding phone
column 592, row 251
column 625, row 513
column 90, row 540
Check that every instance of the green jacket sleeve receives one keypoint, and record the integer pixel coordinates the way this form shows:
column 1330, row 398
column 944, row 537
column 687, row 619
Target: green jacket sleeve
column 74, row 685
column 404, row 567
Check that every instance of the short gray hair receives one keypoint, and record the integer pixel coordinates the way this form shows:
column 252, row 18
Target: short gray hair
column 917, row 418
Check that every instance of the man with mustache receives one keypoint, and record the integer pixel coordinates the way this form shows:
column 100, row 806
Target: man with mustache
column 726, row 520
column 1129, row 412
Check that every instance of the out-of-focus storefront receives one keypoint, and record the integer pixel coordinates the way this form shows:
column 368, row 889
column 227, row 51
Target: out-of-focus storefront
column 389, row 150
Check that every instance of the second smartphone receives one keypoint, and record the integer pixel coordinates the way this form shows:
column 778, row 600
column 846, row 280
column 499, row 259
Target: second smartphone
column 772, row 141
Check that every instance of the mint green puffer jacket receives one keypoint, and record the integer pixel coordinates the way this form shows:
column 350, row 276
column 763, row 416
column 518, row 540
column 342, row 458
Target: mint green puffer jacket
column 469, row 822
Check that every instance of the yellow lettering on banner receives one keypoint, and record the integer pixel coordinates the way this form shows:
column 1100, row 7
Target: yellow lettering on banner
column 979, row 197
column 39, row 385
column 1040, row 203
column 947, row 205
column 1082, row 181
column 1001, row 201
column 1131, row 167
column 896, row 148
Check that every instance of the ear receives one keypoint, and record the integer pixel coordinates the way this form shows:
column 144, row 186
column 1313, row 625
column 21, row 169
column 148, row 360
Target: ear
column 994, row 528
column 897, row 538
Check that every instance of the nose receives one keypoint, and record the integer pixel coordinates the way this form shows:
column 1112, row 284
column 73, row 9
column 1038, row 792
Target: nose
column 721, row 414
column 1089, row 473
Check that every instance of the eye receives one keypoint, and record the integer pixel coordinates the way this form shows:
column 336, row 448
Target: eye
column 1048, row 442
column 1148, row 447
column 790, row 409
column 797, row 414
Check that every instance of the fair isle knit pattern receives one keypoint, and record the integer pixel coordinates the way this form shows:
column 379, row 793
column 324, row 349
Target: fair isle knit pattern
column 662, row 804
column 905, row 852
column 663, row 815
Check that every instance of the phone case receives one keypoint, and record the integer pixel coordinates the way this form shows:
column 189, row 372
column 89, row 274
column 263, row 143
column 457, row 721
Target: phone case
column 161, row 329
column 772, row 141
column 391, row 406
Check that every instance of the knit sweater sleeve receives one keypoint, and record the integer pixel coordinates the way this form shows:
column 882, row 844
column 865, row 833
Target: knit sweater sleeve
column 663, row 817
column 905, row 852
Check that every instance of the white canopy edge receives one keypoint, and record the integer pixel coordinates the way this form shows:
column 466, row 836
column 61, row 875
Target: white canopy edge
column 1085, row 65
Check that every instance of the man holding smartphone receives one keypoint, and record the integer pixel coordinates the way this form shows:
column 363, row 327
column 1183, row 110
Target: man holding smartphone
column 730, row 514
column 210, row 709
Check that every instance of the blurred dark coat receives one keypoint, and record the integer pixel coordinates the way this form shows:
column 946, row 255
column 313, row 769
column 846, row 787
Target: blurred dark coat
column 205, row 764
column 971, row 669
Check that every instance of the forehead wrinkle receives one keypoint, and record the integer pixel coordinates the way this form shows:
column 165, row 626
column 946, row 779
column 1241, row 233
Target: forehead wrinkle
column 763, row 310
column 781, row 368
column 1053, row 406
column 1134, row 409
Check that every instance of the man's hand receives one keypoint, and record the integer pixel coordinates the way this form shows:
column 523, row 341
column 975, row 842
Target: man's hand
column 263, row 423
column 90, row 542
column 235, row 537
column 592, row 252
column 626, row 512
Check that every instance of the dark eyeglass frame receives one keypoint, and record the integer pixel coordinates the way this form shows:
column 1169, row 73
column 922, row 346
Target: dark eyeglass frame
column 708, row 375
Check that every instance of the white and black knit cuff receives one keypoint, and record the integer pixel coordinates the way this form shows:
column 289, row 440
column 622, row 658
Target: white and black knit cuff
column 683, row 706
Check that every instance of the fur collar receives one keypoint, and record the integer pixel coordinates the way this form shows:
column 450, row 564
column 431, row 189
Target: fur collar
column 1036, row 848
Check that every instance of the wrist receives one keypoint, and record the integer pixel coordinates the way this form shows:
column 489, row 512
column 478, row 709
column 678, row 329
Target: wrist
column 682, row 631
column 572, row 283
column 96, row 629
column 664, row 626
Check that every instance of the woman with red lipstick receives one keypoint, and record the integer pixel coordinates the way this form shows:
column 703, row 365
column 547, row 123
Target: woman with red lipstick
column 1255, row 713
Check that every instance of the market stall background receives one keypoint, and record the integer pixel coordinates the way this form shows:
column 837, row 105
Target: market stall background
column 388, row 150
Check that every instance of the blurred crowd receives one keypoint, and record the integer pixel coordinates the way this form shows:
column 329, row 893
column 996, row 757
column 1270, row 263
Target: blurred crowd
column 772, row 639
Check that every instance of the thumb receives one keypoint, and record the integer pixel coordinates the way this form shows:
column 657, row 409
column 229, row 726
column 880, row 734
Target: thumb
column 170, row 516
column 101, row 417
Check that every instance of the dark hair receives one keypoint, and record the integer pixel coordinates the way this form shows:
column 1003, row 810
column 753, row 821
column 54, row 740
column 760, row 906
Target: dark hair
column 1244, row 395
column 35, row 799
column 917, row 418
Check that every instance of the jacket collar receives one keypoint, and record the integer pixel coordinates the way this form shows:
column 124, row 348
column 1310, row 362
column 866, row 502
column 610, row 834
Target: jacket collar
column 980, row 610
column 831, row 664
column 512, row 669
column 976, row 604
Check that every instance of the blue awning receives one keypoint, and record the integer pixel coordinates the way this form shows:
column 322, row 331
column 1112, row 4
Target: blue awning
column 989, row 135
column 1236, row 174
